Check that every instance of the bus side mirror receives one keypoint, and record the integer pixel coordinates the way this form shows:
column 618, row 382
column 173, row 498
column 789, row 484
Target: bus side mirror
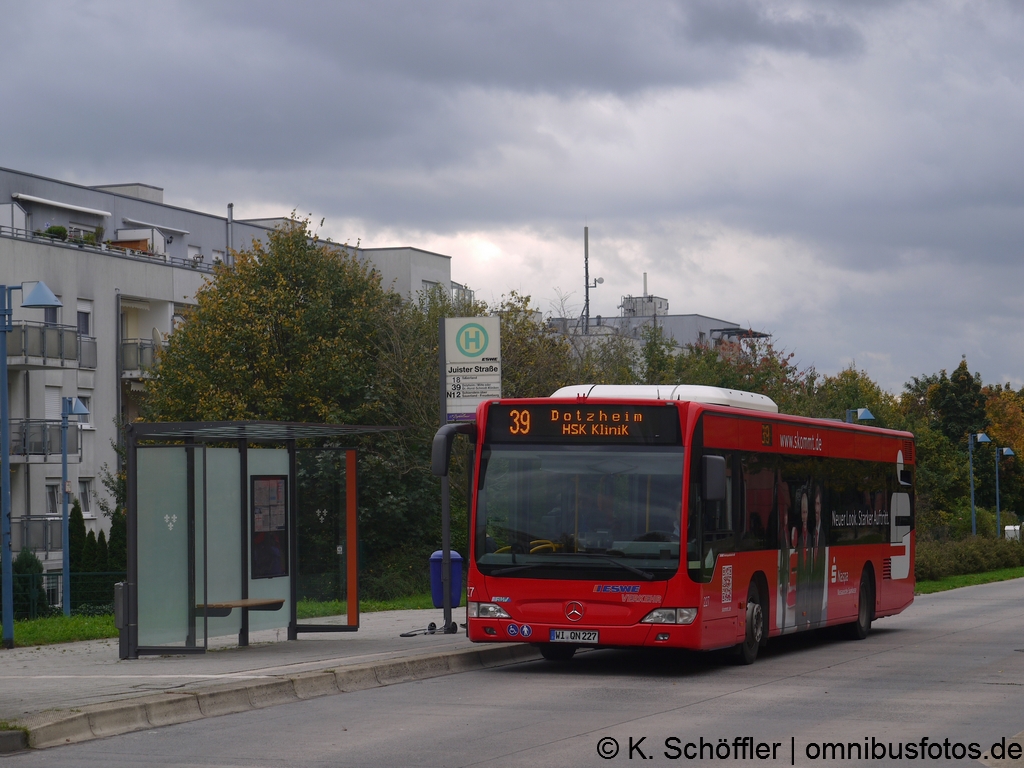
column 441, row 449
column 713, row 478
column 905, row 477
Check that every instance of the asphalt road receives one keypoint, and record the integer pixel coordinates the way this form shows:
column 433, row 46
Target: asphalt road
column 951, row 667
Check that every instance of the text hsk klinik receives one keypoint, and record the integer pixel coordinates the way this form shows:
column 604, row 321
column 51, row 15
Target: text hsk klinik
column 599, row 423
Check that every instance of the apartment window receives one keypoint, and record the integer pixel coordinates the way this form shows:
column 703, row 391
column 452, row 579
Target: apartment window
column 218, row 256
column 85, row 317
column 50, row 315
column 84, row 494
column 86, row 418
column 52, row 402
column 53, row 505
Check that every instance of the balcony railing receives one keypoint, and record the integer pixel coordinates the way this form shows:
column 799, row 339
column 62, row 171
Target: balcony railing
column 138, row 355
column 25, row 234
column 41, row 437
column 48, row 344
column 87, row 352
column 42, row 534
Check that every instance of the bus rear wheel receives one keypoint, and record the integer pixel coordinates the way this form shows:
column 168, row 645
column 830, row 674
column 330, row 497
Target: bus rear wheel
column 557, row 652
column 859, row 629
column 746, row 651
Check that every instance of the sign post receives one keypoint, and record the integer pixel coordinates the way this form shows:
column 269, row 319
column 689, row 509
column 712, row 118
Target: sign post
column 470, row 361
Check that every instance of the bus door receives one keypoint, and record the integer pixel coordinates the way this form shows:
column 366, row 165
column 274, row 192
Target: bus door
column 900, row 521
column 717, row 533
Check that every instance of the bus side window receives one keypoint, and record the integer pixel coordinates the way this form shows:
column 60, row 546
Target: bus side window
column 757, row 501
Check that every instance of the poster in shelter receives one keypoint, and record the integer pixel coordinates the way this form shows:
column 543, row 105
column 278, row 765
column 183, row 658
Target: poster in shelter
column 269, row 526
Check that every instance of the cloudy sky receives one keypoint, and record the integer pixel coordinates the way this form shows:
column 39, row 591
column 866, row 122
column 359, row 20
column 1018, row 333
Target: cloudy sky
column 848, row 176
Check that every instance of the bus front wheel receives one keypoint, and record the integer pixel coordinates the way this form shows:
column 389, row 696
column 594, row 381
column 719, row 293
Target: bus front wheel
column 557, row 652
column 747, row 650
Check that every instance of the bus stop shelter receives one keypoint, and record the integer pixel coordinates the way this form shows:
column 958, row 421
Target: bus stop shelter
column 230, row 524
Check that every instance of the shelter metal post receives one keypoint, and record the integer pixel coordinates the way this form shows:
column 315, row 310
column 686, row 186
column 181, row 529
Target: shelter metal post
column 243, row 476
column 351, row 540
column 293, row 542
column 190, row 494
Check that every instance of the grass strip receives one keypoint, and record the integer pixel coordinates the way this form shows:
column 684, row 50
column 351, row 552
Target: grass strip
column 313, row 609
column 62, row 629
column 65, row 629
column 968, row 580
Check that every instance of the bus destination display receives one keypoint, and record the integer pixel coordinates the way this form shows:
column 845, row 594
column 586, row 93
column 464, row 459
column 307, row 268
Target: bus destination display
column 613, row 424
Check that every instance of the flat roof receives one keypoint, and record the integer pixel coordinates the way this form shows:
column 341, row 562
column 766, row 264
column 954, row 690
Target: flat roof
column 258, row 431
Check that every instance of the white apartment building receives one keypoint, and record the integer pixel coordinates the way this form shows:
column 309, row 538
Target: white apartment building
column 129, row 267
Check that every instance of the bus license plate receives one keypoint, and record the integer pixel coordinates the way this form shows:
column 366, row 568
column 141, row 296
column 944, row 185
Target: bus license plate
column 574, row 636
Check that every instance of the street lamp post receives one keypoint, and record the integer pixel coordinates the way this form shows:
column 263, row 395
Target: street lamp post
column 860, row 414
column 587, row 285
column 1000, row 452
column 70, row 406
column 39, row 296
column 972, row 438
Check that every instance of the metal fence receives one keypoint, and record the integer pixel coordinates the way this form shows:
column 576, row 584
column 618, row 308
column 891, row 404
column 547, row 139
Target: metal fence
column 41, row 594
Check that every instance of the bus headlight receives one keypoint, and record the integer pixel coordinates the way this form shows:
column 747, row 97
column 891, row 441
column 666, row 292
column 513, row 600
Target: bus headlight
column 670, row 616
column 486, row 611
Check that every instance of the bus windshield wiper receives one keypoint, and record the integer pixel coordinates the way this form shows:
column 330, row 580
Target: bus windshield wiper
column 642, row 574
column 515, row 568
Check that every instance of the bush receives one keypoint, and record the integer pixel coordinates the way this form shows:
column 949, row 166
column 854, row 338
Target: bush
column 57, row 232
column 29, row 593
column 938, row 559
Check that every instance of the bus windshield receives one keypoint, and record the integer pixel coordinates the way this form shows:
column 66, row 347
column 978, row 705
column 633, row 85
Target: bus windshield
column 568, row 512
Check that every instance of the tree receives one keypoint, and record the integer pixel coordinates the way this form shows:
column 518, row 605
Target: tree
column 102, row 553
column 656, row 355
column 117, row 545
column 89, row 553
column 534, row 362
column 752, row 365
column 829, row 397
column 286, row 334
column 958, row 404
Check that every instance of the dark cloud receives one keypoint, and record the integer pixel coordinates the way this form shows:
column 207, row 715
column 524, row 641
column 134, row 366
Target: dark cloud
column 879, row 141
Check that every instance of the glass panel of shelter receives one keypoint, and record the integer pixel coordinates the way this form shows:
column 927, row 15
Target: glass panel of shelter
column 171, row 515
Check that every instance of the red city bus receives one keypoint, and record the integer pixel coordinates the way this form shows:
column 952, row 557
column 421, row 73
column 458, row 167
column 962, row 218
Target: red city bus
column 688, row 516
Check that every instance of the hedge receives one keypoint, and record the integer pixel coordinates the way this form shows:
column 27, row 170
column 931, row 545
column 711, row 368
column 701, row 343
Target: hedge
column 936, row 559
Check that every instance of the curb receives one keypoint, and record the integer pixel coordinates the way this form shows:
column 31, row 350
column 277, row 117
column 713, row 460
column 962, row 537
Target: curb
column 54, row 728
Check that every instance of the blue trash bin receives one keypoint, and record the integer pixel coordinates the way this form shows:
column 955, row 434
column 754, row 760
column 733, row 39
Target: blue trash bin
column 436, row 589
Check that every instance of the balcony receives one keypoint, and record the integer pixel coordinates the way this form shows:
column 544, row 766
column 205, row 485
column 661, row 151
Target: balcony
column 42, row 534
column 138, row 356
column 38, row 441
column 42, row 345
column 87, row 352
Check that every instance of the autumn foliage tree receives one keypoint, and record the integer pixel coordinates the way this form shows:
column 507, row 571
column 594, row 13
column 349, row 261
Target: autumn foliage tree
column 285, row 334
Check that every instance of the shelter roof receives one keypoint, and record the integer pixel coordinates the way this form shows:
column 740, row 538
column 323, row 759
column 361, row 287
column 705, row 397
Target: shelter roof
column 257, row 431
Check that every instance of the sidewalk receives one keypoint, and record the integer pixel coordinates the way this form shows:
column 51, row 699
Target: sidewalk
column 78, row 691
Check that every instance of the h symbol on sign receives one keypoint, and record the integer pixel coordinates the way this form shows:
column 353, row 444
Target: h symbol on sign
column 471, row 339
